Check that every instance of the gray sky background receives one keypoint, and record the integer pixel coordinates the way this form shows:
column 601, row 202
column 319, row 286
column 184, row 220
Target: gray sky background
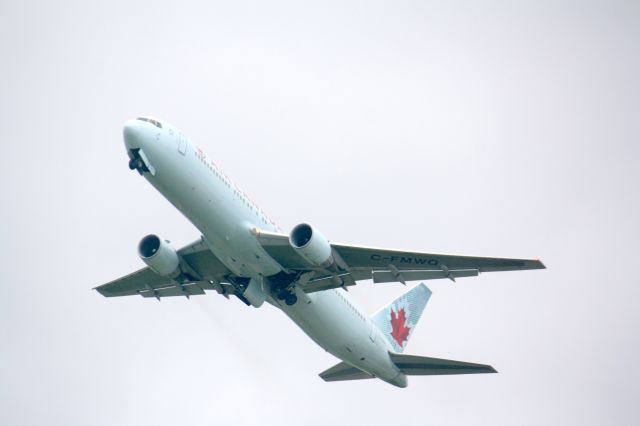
column 488, row 128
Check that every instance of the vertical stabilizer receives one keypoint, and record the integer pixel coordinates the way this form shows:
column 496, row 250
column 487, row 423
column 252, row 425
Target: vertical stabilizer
column 398, row 319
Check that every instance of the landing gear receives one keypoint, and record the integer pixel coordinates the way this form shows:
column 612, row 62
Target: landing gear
column 283, row 287
column 288, row 296
column 137, row 161
column 137, row 165
column 291, row 299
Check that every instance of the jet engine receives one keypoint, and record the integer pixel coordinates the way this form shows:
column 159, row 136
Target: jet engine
column 311, row 245
column 159, row 255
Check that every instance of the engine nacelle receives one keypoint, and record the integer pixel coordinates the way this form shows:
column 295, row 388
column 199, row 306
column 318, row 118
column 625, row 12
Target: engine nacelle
column 159, row 255
column 311, row 245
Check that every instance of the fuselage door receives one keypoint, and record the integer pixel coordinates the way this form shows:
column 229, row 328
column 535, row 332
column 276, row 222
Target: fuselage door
column 182, row 144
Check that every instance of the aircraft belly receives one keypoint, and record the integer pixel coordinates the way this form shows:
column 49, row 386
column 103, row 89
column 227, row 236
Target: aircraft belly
column 341, row 332
column 209, row 205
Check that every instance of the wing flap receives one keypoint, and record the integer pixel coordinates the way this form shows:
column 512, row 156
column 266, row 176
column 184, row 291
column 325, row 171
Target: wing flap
column 192, row 289
column 400, row 276
column 325, row 282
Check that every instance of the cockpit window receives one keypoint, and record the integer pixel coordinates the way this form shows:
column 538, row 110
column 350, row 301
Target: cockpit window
column 152, row 121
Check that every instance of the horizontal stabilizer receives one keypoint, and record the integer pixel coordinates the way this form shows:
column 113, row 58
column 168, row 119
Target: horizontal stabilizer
column 412, row 365
column 344, row 371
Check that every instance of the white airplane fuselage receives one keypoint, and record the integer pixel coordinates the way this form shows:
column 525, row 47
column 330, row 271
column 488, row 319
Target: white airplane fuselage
column 225, row 216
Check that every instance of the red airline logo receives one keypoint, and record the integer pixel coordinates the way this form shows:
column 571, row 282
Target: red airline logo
column 399, row 329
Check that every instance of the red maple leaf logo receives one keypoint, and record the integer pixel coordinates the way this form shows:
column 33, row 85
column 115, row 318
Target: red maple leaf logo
column 399, row 329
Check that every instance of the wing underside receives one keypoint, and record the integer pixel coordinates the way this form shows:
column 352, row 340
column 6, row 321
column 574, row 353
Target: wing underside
column 384, row 265
column 355, row 264
column 210, row 272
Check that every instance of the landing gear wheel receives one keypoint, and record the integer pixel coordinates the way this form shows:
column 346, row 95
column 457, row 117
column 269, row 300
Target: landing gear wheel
column 291, row 299
column 133, row 163
column 281, row 294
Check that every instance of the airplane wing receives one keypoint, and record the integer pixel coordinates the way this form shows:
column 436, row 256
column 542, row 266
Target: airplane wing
column 208, row 271
column 357, row 263
column 354, row 263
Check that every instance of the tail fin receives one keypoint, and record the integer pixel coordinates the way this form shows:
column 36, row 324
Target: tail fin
column 398, row 319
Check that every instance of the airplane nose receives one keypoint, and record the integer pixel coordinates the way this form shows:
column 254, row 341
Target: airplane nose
column 134, row 134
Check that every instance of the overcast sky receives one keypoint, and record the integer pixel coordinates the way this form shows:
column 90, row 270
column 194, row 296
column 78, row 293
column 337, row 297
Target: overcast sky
column 487, row 128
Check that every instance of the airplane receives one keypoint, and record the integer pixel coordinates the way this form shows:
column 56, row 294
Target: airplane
column 243, row 253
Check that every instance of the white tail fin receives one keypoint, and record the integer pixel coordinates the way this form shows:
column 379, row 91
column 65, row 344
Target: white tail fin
column 398, row 319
